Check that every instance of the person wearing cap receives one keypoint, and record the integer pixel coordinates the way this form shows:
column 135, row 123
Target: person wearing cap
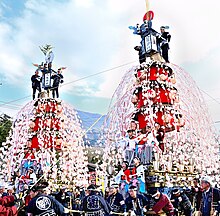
column 116, row 200
column 42, row 204
column 133, row 125
column 150, row 145
column 78, row 195
column 36, row 83
column 131, row 134
column 161, row 203
column 142, row 57
column 210, row 204
column 130, row 146
column 57, row 79
column 196, row 191
column 159, row 132
column 141, row 136
column 181, row 202
column 94, row 204
column 138, row 173
column 123, row 177
column 146, row 141
column 135, row 202
column 63, row 197
column 164, row 45
column 124, row 174
column 140, row 146
column 82, row 192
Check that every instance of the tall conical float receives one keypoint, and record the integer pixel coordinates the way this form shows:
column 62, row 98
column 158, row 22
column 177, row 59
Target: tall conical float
column 163, row 107
column 45, row 143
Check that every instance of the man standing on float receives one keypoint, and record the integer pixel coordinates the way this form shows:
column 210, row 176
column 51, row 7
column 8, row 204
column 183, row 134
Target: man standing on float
column 57, row 79
column 36, row 80
column 165, row 43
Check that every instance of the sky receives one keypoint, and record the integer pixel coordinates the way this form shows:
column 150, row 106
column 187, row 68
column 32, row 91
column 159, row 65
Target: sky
column 91, row 36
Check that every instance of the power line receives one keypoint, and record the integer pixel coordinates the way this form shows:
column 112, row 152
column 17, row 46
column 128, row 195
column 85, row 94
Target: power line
column 101, row 72
column 208, row 100
column 18, row 105
column 210, row 96
column 11, row 107
column 9, row 102
column 95, row 74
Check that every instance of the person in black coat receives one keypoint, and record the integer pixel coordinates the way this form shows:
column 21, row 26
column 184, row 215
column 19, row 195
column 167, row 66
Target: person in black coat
column 36, row 80
column 210, row 198
column 142, row 57
column 135, row 202
column 94, row 204
column 63, row 197
column 196, row 192
column 165, row 43
column 116, row 200
column 57, row 79
column 42, row 204
column 181, row 202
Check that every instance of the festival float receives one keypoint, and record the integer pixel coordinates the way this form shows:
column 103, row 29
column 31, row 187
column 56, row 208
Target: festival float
column 161, row 105
column 45, row 142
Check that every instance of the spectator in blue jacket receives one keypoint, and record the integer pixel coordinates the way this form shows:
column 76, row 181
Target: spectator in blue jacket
column 210, row 198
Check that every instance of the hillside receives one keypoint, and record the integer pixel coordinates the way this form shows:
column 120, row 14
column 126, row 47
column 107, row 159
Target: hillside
column 88, row 119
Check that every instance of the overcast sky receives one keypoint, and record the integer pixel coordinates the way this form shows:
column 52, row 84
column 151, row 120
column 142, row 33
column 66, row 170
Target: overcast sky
column 90, row 36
